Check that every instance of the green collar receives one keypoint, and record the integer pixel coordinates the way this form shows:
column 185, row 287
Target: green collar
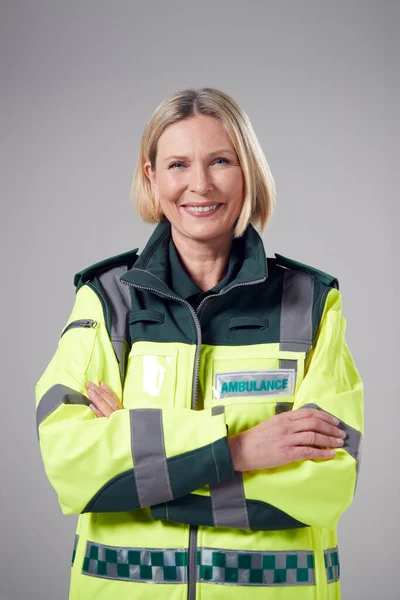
column 152, row 268
column 181, row 282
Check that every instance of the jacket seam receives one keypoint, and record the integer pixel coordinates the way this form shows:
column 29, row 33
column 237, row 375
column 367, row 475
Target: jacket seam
column 215, row 461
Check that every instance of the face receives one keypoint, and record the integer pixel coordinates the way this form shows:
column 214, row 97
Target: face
column 198, row 179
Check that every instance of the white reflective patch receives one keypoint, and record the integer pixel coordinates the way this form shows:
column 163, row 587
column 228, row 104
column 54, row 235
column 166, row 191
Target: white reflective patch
column 279, row 382
column 153, row 374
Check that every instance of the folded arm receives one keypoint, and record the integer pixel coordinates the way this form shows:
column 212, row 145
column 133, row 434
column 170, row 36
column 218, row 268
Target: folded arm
column 132, row 459
column 302, row 492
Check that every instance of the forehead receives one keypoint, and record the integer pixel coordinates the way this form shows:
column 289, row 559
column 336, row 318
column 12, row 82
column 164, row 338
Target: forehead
column 200, row 131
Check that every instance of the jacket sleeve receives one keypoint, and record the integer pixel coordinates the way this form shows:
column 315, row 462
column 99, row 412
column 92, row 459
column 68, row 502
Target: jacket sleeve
column 305, row 492
column 117, row 463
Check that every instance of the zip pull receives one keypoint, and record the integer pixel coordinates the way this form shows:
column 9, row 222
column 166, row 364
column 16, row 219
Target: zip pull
column 87, row 323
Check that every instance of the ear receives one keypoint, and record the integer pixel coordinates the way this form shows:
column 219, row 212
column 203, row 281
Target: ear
column 151, row 175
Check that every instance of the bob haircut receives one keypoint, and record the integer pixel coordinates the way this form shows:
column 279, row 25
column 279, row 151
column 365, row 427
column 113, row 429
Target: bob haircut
column 259, row 186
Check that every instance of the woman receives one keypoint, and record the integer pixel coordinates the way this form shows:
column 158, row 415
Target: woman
column 169, row 419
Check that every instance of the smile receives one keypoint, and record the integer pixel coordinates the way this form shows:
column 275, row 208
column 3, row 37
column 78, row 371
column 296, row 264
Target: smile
column 202, row 210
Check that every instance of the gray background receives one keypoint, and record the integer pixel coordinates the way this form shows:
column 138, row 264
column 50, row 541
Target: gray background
column 79, row 80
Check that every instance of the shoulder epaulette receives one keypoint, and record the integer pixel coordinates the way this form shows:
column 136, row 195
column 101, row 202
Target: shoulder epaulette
column 327, row 279
column 126, row 258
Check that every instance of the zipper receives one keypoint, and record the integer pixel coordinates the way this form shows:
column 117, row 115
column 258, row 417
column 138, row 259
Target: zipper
column 89, row 323
column 193, row 529
column 104, row 303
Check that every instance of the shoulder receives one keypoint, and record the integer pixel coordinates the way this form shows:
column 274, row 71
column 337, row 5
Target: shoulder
column 309, row 283
column 94, row 270
column 324, row 278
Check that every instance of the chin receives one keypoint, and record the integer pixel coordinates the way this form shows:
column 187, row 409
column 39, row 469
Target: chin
column 208, row 233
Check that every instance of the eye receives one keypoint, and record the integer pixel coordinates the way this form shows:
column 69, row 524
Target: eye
column 219, row 158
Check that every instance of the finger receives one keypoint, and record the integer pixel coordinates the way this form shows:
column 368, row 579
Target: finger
column 304, row 413
column 99, row 402
column 109, row 396
column 96, row 410
column 319, row 426
column 310, row 453
column 311, row 438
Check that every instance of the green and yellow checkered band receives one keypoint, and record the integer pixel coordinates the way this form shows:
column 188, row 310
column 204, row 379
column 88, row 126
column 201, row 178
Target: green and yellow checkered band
column 156, row 565
column 332, row 565
column 232, row 567
column 256, row 568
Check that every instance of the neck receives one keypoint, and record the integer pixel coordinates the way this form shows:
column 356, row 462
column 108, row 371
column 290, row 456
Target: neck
column 205, row 262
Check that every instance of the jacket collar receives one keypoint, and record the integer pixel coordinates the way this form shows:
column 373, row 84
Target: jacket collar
column 151, row 270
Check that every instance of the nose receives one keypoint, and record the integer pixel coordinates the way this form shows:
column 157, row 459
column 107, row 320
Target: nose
column 200, row 179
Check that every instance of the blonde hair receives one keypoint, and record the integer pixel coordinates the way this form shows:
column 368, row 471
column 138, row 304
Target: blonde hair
column 259, row 186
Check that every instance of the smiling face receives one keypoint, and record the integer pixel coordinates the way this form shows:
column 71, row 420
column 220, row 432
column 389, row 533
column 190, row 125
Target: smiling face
column 198, row 179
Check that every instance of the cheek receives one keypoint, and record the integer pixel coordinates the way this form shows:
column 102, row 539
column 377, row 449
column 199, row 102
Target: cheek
column 234, row 186
column 170, row 187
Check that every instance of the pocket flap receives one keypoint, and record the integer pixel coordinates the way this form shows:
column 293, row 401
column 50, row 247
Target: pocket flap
column 152, row 316
column 247, row 321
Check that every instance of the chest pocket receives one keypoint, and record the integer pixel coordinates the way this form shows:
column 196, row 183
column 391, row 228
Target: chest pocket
column 151, row 374
column 255, row 374
column 150, row 377
column 258, row 381
column 253, row 382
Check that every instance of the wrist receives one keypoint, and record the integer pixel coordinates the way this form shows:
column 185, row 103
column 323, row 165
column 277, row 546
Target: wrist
column 236, row 450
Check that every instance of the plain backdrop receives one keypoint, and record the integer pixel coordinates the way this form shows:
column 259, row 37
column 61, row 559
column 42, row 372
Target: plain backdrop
column 79, row 80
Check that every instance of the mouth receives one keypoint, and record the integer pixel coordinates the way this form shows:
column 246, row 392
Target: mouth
column 201, row 210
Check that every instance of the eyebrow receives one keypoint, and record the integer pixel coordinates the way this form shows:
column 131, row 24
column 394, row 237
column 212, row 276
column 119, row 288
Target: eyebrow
column 182, row 157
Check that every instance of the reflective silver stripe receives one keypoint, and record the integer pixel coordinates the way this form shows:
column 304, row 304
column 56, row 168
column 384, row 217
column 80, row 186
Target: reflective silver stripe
column 56, row 395
column 296, row 311
column 358, row 463
column 228, row 502
column 352, row 441
column 214, row 565
column 119, row 302
column 296, row 322
column 332, row 564
column 287, row 363
column 149, row 458
column 283, row 407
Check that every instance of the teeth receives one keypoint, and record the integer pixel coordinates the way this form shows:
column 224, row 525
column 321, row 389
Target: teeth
column 201, row 208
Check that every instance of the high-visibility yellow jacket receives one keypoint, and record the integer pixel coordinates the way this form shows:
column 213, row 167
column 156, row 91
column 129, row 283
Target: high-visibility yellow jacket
column 162, row 513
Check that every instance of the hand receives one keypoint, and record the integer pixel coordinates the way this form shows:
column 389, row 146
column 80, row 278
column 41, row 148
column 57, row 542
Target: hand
column 104, row 401
column 287, row 437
